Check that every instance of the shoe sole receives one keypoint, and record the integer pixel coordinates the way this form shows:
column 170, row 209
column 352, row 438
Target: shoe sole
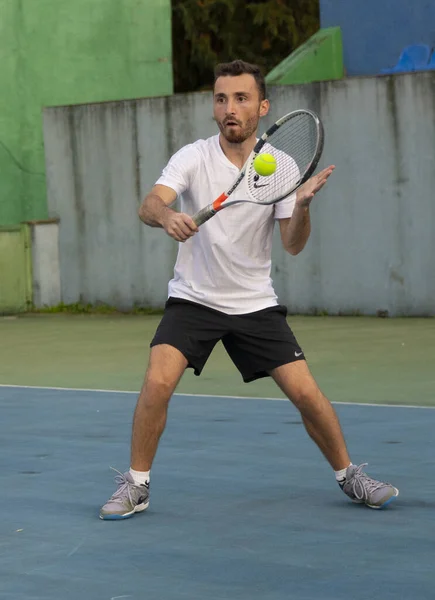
column 115, row 517
column 386, row 503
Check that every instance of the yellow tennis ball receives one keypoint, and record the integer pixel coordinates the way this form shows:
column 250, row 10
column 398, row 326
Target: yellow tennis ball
column 265, row 164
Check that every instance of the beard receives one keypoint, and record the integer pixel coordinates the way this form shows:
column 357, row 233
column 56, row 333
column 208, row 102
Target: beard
column 242, row 133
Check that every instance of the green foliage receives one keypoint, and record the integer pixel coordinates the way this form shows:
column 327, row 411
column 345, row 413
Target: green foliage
column 95, row 309
column 264, row 32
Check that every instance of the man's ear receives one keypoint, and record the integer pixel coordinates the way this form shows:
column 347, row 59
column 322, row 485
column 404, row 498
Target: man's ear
column 264, row 108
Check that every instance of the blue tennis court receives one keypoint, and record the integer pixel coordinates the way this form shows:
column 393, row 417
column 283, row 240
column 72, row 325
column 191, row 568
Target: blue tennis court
column 243, row 506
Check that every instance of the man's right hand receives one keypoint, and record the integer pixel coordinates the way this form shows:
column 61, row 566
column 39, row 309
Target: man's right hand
column 178, row 225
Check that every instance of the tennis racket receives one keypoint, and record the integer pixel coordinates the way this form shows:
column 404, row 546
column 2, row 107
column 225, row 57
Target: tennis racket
column 296, row 143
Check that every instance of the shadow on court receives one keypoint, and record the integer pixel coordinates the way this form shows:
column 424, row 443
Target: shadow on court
column 243, row 506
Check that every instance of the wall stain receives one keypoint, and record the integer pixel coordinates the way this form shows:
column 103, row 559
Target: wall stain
column 395, row 276
column 78, row 194
column 137, row 156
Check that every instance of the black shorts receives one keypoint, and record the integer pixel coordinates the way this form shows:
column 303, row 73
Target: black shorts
column 256, row 342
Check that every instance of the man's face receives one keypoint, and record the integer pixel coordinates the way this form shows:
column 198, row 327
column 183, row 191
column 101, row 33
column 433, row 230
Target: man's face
column 237, row 107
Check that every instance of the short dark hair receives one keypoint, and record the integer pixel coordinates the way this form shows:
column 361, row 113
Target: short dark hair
column 240, row 67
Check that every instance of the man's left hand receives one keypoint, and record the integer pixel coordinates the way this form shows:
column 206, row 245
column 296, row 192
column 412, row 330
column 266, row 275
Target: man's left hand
column 307, row 191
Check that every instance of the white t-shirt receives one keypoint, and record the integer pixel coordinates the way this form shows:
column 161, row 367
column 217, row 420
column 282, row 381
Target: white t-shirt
column 226, row 265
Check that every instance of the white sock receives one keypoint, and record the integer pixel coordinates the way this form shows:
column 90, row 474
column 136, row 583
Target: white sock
column 140, row 477
column 340, row 475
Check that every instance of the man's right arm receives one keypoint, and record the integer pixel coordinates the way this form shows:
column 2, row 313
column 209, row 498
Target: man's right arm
column 155, row 211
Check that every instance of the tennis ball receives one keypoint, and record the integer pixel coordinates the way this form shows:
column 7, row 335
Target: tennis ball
column 265, row 164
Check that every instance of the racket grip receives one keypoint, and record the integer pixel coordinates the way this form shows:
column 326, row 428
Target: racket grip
column 204, row 215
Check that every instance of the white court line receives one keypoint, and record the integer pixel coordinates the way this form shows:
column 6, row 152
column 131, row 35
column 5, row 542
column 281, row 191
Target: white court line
column 66, row 389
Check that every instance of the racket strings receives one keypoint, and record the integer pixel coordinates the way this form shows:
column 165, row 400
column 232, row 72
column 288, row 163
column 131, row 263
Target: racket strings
column 293, row 145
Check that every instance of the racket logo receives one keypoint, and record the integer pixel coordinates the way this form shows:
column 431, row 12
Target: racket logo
column 259, row 185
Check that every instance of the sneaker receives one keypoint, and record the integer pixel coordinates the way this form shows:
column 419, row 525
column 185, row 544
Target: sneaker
column 362, row 489
column 128, row 499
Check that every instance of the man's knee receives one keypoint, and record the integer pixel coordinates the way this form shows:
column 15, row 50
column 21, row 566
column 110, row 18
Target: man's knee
column 308, row 398
column 159, row 386
column 165, row 369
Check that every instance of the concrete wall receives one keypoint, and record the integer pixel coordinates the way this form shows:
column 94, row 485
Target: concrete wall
column 375, row 32
column 44, row 238
column 61, row 52
column 373, row 242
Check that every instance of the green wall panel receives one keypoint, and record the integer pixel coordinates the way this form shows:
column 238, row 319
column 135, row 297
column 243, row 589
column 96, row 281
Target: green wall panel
column 15, row 269
column 319, row 59
column 57, row 52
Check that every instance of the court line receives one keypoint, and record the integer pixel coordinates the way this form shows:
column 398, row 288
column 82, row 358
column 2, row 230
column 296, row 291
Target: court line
column 99, row 391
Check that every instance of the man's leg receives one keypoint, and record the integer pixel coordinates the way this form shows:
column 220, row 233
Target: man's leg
column 165, row 368
column 322, row 425
column 318, row 415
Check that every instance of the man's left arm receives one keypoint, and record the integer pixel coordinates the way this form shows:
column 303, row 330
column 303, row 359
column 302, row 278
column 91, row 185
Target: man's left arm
column 296, row 229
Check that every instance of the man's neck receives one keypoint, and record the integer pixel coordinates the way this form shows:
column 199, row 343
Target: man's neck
column 237, row 153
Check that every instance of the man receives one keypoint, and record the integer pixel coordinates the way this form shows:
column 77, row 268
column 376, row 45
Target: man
column 222, row 290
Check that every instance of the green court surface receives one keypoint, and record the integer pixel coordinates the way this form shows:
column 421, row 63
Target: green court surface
column 354, row 359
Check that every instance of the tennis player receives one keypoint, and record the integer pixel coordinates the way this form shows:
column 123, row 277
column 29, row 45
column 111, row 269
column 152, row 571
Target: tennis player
column 222, row 290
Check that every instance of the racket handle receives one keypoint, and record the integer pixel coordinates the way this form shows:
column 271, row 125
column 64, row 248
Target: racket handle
column 204, row 215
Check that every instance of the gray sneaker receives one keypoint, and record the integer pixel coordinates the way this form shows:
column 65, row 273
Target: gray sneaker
column 364, row 490
column 128, row 499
